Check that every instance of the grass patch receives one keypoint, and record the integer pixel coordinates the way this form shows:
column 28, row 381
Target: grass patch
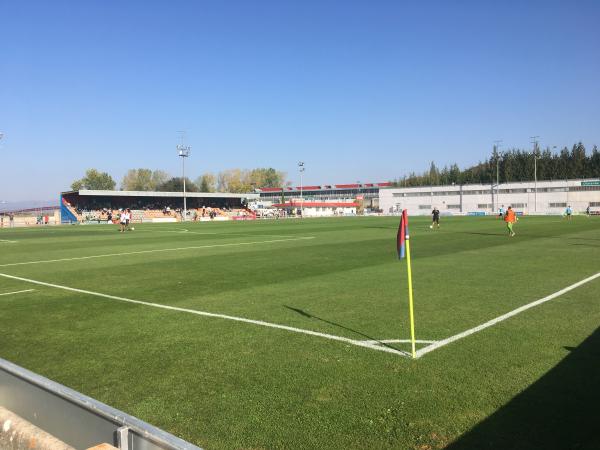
column 223, row 384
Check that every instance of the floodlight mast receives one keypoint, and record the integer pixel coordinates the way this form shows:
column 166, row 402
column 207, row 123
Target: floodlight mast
column 497, row 144
column 534, row 141
column 301, row 169
column 184, row 152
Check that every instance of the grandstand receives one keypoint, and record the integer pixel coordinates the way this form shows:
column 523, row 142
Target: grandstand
column 94, row 206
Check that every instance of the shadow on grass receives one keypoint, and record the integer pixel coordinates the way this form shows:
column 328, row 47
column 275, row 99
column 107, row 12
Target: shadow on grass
column 483, row 234
column 583, row 239
column 559, row 411
column 360, row 333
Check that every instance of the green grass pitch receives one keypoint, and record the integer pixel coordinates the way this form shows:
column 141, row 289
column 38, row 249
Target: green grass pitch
column 531, row 381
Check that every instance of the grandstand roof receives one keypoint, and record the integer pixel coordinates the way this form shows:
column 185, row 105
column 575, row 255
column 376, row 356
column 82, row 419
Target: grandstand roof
column 87, row 192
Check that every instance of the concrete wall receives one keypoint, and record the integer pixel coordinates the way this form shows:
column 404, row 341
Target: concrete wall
column 329, row 212
column 28, row 220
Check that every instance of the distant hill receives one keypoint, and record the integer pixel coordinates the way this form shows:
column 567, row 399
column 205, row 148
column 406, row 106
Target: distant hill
column 6, row 206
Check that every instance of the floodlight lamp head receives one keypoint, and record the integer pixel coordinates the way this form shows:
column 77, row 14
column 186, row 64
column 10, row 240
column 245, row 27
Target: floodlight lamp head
column 183, row 151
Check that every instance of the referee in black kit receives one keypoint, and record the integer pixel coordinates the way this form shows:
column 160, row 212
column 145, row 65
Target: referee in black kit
column 435, row 214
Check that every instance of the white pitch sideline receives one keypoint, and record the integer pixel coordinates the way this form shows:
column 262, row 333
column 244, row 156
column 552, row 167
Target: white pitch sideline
column 214, row 233
column 17, row 292
column 398, row 341
column 141, row 252
column 381, row 348
column 499, row 319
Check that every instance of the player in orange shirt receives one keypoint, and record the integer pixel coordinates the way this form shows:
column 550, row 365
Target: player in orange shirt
column 510, row 218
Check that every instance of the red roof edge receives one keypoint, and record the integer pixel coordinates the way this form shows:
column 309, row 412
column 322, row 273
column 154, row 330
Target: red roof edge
column 308, row 188
column 316, row 204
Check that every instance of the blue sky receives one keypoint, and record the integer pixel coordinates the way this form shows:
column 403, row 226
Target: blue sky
column 359, row 90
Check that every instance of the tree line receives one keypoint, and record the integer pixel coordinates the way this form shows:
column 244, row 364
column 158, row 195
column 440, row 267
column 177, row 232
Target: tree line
column 512, row 166
column 231, row 180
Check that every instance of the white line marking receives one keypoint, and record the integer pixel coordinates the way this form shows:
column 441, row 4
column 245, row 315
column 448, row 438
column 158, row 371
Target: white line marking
column 17, row 292
column 6, row 241
column 220, row 316
column 398, row 341
column 217, row 234
column 140, row 252
column 179, row 232
column 508, row 315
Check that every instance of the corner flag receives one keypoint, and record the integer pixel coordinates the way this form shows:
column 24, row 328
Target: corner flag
column 401, row 236
column 403, row 248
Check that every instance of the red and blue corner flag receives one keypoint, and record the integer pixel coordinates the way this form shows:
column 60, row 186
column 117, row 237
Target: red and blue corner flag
column 403, row 247
column 402, row 234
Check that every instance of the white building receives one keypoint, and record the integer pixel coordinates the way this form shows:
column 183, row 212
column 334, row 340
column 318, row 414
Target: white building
column 543, row 197
column 318, row 209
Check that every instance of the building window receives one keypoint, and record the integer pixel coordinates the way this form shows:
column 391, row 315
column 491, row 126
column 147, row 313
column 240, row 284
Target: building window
column 519, row 205
column 453, row 206
column 488, row 192
column 593, row 204
column 484, row 206
column 558, row 205
column 424, row 206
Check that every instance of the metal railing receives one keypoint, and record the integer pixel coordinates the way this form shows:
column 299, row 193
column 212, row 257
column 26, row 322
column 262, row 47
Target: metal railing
column 76, row 419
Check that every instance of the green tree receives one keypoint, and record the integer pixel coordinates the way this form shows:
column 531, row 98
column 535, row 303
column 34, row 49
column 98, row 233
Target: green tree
column 514, row 165
column 273, row 178
column 143, row 180
column 234, row 180
column 564, row 164
column 175, row 184
column 137, row 180
column 454, row 174
column 94, row 180
column 578, row 161
column 159, row 177
column 433, row 175
column 595, row 163
column 266, row 177
column 206, row 182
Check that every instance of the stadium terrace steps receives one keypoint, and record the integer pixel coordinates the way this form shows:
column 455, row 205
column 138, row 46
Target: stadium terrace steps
column 148, row 215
